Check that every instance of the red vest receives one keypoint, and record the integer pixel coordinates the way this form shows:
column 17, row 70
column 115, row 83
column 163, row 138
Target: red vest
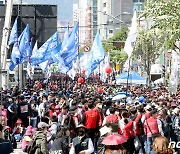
column 92, row 119
column 147, row 115
column 138, row 131
column 151, row 126
column 111, row 119
column 128, row 130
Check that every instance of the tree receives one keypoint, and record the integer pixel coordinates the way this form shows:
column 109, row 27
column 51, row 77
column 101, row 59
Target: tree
column 117, row 54
column 165, row 15
column 147, row 46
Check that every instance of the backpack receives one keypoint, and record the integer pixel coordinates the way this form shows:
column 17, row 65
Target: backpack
column 31, row 148
column 113, row 123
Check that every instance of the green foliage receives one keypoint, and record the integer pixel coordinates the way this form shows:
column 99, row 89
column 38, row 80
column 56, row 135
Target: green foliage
column 147, row 47
column 121, row 35
column 165, row 15
column 117, row 55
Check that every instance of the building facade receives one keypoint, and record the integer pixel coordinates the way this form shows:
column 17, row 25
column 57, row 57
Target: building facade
column 113, row 15
column 85, row 12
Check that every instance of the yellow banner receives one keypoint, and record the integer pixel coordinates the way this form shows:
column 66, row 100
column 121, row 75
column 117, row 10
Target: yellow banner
column 117, row 67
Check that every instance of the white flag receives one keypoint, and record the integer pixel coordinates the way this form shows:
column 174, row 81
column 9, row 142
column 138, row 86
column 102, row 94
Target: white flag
column 74, row 70
column 105, row 63
column 129, row 44
column 33, row 53
column 127, row 65
column 173, row 80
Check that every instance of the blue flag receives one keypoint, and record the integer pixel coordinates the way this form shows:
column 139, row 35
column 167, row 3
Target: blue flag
column 44, row 53
column 57, row 56
column 70, row 50
column 15, row 57
column 63, row 68
column 14, row 34
column 95, row 56
column 25, row 45
column 45, row 64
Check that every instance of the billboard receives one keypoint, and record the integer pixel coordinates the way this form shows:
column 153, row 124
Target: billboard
column 41, row 18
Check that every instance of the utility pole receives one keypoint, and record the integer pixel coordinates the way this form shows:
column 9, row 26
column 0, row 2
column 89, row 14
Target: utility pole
column 20, row 66
column 4, row 44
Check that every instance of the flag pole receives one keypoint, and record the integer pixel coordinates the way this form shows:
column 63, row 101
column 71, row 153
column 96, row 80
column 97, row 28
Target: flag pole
column 128, row 78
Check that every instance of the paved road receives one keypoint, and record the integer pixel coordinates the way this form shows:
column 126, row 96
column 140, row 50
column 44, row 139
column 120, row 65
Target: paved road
column 18, row 150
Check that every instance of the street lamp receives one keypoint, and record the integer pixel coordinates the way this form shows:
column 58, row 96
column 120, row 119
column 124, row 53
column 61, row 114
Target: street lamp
column 111, row 19
column 124, row 13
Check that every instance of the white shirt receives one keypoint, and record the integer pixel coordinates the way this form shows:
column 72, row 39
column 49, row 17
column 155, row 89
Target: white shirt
column 41, row 110
column 122, row 124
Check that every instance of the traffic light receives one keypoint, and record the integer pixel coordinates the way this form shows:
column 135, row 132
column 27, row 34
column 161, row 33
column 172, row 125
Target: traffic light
column 163, row 70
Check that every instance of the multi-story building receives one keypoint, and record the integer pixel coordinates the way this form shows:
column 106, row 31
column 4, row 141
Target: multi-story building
column 81, row 15
column 138, row 4
column 85, row 12
column 105, row 25
column 94, row 18
column 113, row 15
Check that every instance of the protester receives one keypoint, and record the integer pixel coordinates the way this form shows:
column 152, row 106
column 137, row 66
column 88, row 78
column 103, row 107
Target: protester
column 18, row 130
column 24, row 111
column 160, row 146
column 146, row 113
column 54, row 127
column 40, row 139
column 26, row 139
column 61, row 143
column 81, row 144
column 33, row 112
column 13, row 112
column 153, row 128
column 5, row 145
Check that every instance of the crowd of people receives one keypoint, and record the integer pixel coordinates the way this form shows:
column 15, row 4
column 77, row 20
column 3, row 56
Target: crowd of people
column 66, row 117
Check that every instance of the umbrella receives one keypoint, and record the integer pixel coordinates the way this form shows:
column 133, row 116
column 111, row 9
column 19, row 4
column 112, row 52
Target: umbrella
column 118, row 97
column 104, row 130
column 115, row 139
column 123, row 92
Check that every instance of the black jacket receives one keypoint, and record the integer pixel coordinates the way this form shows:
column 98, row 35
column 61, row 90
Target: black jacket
column 23, row 109
column 5, row 146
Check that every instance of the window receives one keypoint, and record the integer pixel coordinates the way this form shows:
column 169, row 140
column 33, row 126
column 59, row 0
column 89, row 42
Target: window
column 104, row 4
column 110, row 31
column 11, row 78
column 137, row 6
